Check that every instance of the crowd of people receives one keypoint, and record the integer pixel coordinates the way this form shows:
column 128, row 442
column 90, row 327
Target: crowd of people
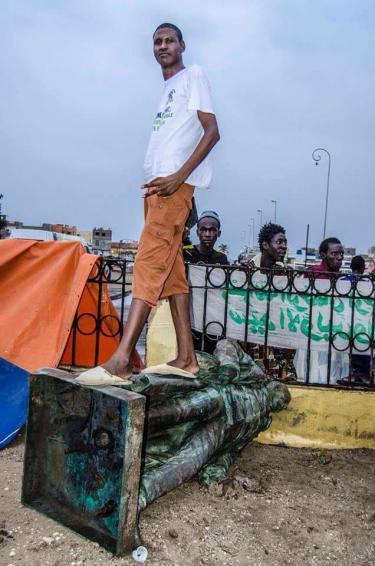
column 273, row 249
column 273, row 246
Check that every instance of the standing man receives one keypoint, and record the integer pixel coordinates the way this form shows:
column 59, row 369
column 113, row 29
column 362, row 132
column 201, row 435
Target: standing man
column 208, row 231
column 184, row 132
column 331, row 252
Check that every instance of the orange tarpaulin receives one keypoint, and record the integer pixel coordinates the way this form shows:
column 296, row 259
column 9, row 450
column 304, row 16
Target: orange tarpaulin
column 42, row 286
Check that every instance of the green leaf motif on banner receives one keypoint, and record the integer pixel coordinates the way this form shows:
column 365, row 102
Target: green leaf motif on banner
column 282, row 319
column 293, row 320
column 313, row 336
column 360, row 333
column 292, row 314
column 258, row 326
column 320, row 301
column 358, row 306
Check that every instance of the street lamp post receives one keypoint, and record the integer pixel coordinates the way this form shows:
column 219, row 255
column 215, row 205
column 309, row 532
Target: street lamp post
column 260, row 216
column 243, row 238
column 274, row 212
column 251, row 231
column 317, row 157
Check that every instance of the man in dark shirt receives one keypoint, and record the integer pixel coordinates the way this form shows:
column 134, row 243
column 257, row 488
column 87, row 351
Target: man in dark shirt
column 208, row 231
column 358, row 266
column 361, row 364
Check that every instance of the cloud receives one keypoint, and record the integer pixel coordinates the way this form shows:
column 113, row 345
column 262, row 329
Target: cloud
column 80, row 87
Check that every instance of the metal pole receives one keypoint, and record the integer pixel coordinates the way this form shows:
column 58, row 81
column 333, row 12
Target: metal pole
column 251, row 225
column 307, row 243
column 261, row 216
column 274, row 214
column 317, row 157
column 243, row 239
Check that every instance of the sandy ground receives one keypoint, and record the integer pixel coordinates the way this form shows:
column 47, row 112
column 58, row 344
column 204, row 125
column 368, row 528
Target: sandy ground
column 281, row 506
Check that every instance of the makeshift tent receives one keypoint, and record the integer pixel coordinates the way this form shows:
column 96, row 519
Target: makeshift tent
column 42, row 287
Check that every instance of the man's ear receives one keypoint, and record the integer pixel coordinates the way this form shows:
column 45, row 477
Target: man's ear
column 218, row 233
column 183, row 46
column 264, row 246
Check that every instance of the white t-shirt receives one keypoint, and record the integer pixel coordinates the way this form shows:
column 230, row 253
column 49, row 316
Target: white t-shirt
column 257, row 259
column 177, row 129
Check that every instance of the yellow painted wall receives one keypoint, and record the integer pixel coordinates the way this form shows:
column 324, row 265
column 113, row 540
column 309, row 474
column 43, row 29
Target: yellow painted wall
column 324, row 418
column 315, row 417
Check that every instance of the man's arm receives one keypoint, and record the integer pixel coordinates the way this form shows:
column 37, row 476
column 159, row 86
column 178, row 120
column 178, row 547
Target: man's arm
column 166, row 186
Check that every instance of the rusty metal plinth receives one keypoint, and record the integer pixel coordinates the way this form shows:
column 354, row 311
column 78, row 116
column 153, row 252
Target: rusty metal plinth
column 83, row 457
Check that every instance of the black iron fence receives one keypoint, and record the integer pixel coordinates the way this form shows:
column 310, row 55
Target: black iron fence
column 110, row 279
column 304, row 327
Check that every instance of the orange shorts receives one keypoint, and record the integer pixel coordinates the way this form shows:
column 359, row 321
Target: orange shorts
column 159, row 269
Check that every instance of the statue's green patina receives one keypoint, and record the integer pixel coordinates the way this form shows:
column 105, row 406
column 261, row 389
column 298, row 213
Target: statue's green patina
column 201, row 430
column 89, row 465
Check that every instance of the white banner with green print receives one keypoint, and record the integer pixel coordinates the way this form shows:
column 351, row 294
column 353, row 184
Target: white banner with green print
column 288, row 313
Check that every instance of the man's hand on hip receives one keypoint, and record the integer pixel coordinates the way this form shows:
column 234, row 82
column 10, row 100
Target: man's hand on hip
column 164, row 186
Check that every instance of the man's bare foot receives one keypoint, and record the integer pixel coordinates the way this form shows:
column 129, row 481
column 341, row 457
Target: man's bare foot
column 118, row 367
column 187, row 365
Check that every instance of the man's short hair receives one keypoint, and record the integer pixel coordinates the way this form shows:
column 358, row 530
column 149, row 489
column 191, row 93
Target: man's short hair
column 358, row 263
column 323, row 248
column 267, row 232
column 209, row 214
column 172, row 26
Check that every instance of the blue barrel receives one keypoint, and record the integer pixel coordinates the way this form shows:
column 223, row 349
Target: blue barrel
column 13, row 400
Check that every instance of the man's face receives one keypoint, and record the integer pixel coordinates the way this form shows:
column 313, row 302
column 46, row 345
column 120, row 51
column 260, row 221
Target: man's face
column 167, row 48
column 333, row 258
column 277, row 248
column 208, row 232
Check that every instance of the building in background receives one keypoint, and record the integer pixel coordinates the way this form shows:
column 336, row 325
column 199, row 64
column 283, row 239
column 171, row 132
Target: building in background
column 124, row 249
column 102, row 239
column 46, row 226
column 87, row 234
column 61, row 229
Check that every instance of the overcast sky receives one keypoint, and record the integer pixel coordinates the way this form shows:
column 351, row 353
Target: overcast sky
column 80, row 87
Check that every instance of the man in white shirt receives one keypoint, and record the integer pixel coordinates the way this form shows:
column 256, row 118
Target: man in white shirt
column 184, row 132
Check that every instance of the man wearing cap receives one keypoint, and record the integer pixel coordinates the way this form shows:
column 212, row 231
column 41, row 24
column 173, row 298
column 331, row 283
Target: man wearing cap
column 208, row 231
column 184, row 132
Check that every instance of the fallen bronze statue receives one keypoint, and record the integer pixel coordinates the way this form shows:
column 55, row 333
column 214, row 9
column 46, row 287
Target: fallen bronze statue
column 95, row 456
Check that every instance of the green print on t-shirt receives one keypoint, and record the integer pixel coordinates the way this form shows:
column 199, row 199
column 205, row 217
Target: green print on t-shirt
column 161, row 117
